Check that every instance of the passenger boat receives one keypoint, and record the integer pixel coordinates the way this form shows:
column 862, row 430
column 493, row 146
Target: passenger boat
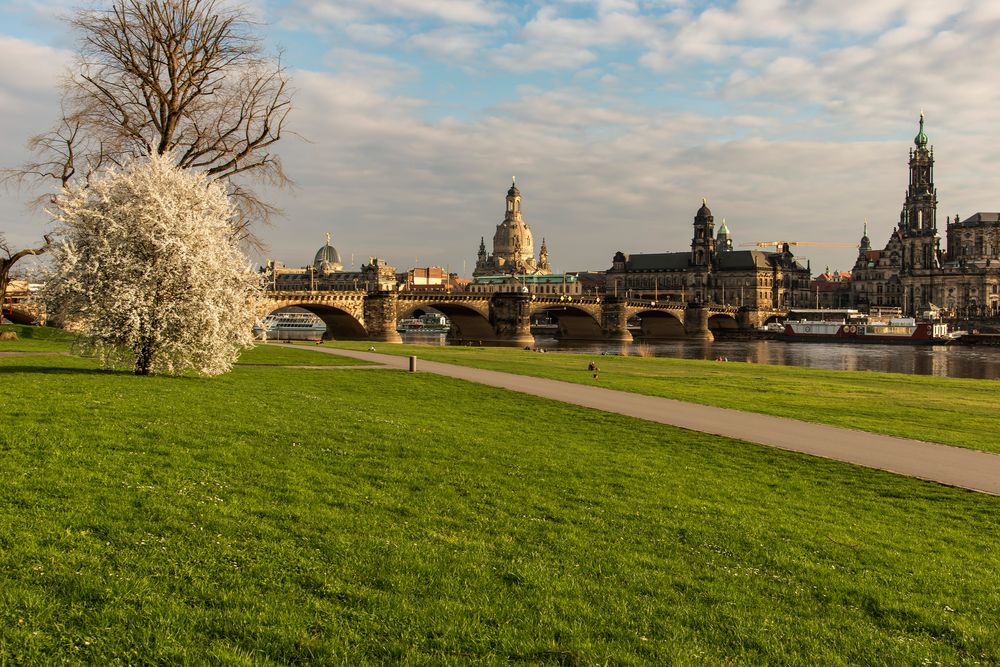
column 291, row 326
column 896, row 330
column 429, row 323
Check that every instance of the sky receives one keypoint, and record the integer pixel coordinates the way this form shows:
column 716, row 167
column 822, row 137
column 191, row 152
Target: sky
column 792, row 117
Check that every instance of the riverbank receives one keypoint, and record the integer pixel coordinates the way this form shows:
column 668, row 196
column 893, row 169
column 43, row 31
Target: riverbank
column 371, row 516
column 947, row 411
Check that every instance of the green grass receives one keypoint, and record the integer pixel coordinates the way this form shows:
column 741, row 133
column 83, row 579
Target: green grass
column 275, row 516
column 32, row 339
column 36, row 339
column 950, row 411
column 271, row 355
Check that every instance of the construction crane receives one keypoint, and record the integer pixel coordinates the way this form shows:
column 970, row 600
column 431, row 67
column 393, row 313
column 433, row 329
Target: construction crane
column 781, row 244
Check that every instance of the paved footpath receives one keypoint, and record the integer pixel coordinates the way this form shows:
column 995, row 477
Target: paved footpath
column 964, row 468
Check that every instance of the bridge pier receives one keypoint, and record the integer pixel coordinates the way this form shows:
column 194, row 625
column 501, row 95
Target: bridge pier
column 510, row 316
column 380, row 317
column 696, row 322
column 614, row 320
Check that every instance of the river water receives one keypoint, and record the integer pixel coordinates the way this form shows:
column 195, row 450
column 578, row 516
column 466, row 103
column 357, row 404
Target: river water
column 958, row 361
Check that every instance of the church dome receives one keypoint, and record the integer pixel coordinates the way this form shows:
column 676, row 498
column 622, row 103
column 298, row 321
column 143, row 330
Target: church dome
column 328, row 256
column 704, row 211
column 513, row 192
column 921, row 139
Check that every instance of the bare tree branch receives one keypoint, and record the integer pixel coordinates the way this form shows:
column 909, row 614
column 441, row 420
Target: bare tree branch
column 185, row 77
column 8, row 258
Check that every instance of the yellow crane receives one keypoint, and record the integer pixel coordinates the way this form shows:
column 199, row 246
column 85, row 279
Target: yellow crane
column 781, row 244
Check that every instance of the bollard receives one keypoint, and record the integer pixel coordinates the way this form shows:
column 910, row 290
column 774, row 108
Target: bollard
column 413, row 364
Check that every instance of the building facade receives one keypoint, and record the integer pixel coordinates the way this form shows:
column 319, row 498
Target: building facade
column 327, row 273
column 912, row 272
column 513, row 246
column 712, row 272
column 567, row 284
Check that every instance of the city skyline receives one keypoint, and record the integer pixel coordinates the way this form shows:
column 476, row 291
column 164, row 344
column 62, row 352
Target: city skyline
column 792, row 119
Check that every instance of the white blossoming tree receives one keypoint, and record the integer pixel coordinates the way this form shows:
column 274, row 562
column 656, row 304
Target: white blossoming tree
column 144, row 262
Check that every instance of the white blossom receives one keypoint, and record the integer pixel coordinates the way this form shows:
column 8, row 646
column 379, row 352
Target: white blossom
column 146, row 267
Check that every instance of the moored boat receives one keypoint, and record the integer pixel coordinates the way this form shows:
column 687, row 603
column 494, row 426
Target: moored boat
column 291, row 326
column 896, row 330
column 429, row 323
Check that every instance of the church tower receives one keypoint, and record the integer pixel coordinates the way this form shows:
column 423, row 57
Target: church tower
column 543, row 259
column 918, row 219
column 513, row 246
column 866, row 243
column 723, row 241
column 703, row 242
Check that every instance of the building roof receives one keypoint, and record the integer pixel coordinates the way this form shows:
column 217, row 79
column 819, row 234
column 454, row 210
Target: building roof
column 921, row 139
column 704, row 211
column 833, row 276
column 326, row 254
column 540, row 279
column 743, row 259
column 660, row 261
column 980, row 218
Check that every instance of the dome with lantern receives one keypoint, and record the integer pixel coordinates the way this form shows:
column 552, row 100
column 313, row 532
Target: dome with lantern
column 327, row 259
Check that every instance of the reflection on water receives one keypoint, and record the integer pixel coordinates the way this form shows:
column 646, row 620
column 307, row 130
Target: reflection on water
column 944, row 360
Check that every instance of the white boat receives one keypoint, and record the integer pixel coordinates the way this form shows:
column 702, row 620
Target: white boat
column 292, row 326
column 432, row 323
column 896, row 330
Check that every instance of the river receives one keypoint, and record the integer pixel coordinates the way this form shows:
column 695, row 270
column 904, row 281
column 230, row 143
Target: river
column 957, row 361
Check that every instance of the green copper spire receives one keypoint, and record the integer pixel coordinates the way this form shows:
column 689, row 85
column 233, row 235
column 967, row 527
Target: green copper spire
column 723, row 230
column 921, row 139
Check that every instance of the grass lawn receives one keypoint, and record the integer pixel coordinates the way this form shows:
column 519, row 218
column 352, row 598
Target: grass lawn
column 44, row 339
column 274, row 515
column 270, row 355
column 36, row 339
column 950, row 411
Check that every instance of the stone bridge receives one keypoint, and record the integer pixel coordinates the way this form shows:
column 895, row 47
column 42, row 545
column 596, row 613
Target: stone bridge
column 504, row 318
column 22, row 308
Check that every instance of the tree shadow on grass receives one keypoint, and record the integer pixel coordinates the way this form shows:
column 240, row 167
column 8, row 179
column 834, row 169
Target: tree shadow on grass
column 60, row 370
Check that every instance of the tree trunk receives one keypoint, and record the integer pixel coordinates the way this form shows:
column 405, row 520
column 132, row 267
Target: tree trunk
column 144, row 358
column 4, row 281
column 7, row 263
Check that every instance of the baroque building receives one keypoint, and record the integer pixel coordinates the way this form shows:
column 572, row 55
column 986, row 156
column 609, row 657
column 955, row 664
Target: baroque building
column 327, row 273
column 912, row 273
column 513, row 247
column 712, row 272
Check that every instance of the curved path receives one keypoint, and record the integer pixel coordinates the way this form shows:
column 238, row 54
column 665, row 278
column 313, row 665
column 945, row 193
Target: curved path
column 965, row 468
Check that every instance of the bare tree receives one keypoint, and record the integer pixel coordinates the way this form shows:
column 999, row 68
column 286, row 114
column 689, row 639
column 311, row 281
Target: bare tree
column 188, row 78
column 8, row 258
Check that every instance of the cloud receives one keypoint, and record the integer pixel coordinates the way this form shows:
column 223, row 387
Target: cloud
column 794, row 118
column 302, row 14
column 452, row 42
column 553, row 41
column 387, row 183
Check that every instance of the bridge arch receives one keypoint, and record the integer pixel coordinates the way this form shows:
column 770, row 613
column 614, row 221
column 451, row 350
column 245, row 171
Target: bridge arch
column 659, row 325
column 340, row 324
column 573, row 322
column 468, row 323
column 723, row 323
column 20, row 316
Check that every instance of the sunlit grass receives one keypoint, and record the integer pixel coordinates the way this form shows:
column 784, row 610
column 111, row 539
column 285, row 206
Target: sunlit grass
column 950, row 411
column 275, row 516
